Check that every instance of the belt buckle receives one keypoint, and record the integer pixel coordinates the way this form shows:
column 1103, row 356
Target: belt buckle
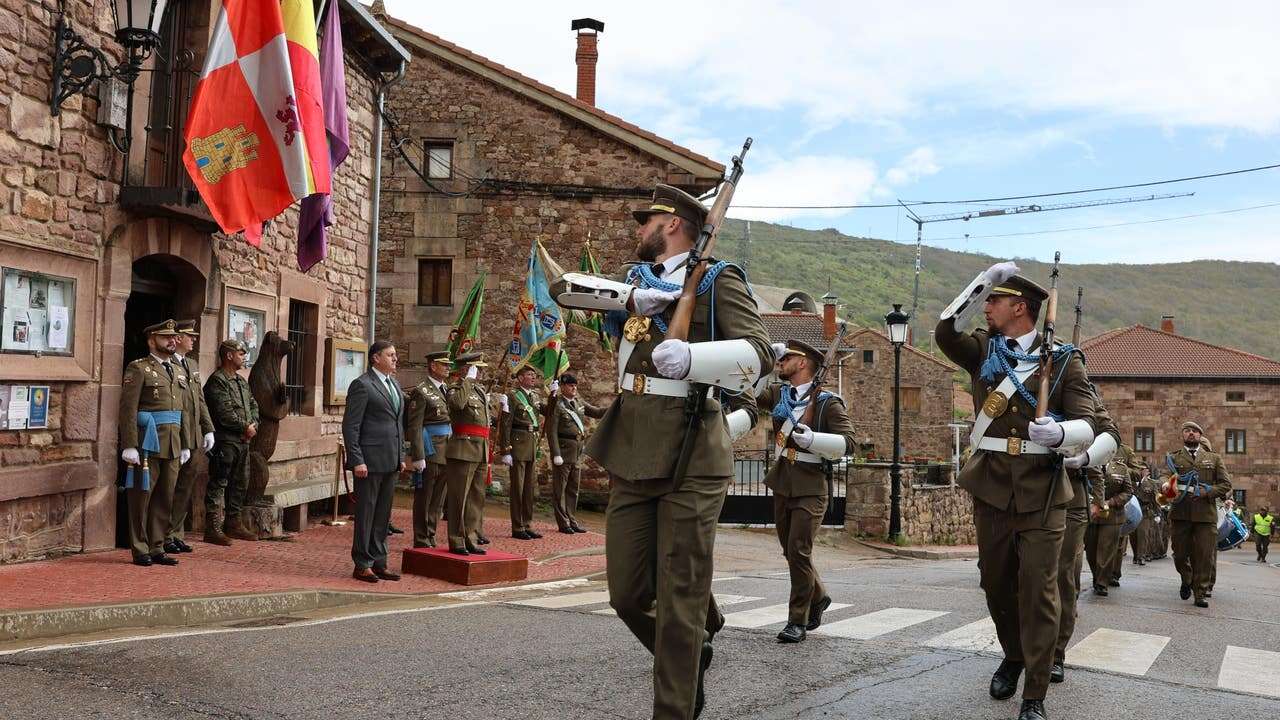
column 637, row 385
column 1014, row 446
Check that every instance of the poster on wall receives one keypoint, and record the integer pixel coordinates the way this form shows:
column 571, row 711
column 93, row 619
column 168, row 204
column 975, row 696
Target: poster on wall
column 4, row 407
column 19, row 407
column 38, row 410
column 38, row 312
column 347, row 361
column 247, row 326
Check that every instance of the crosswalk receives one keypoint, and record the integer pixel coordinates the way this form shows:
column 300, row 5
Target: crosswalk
column 1105, row 649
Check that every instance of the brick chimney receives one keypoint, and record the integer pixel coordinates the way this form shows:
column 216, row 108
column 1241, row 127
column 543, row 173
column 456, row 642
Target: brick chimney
column 829, row 306
column 1166, row 324
column 588, row 31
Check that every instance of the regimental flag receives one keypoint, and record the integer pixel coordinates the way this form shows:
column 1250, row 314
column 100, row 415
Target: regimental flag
column 592, row 321
column 250, row 146
column 537, row 339
column 317, row 210
column 467, row 327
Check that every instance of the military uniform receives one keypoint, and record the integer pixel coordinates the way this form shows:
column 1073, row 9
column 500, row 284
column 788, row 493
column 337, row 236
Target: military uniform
column 1141, row 541
column 566, row 431
column 1194, row 519
column 1104, row 544
column 428, row 427
column 198, row 426
column 233, row 409
column 518, row 435
column 660, row 531
column 152, row 399
column 467, row 459
column 1020, row 488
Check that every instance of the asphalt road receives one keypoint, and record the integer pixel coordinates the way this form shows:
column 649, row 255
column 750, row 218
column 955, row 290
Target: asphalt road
column 902, row 648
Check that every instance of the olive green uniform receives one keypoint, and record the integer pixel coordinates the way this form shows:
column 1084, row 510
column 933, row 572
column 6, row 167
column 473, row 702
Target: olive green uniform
column 232, row 409
column 428, row 405
column 467, row 459
column 1194, row 521
column 566, row 431
column 1020, row 505
column 150, row 385
column 518, row 437
column 1103, row 542
column 193, row 439
column 798, row 480
column 1141, row 540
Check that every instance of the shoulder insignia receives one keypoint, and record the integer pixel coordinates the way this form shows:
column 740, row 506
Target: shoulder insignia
column 128, row 379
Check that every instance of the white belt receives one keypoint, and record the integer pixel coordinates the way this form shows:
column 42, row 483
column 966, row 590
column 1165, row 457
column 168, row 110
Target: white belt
column 795, row 455
column 646, row 385
column 1012, row 446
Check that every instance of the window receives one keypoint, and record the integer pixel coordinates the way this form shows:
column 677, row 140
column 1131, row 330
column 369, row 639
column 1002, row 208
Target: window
column 1235, row 396
column 439, row 155
column 300, row 365
column 1235, row 442
column 868, row 357
column 435, row 281
column 1239, row 497
column 911, row 400
column 38, row 313
column 1144, row 395
column 1144, row 439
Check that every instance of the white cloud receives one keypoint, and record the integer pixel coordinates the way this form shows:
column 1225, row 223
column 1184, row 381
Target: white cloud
column 804, row 180
column 917, row 164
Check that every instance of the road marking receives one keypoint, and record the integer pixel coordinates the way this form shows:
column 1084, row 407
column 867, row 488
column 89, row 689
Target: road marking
column 1118, row 651
column 1249, row 670
column 726, row 577
column 979, row 636
column 769, row 615
column 512, row 589
column 881, row 622
column 565, row 601
column 720, row 600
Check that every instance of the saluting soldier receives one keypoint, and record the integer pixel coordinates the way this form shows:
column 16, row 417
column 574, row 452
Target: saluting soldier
column 235, row 422
column 1193, row 519
column 1018, row 483
column 798, row 478
column 151, row 433
column 428, row 427
column 660, row 530
column 566, row 431
column 197, row 433
column 1104, row 545
column 467, row 457
column 518, row 434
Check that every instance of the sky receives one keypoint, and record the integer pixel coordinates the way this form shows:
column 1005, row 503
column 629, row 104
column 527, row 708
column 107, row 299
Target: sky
column 871, row 103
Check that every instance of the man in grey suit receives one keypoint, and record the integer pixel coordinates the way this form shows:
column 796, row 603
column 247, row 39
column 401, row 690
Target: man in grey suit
column 373, row 433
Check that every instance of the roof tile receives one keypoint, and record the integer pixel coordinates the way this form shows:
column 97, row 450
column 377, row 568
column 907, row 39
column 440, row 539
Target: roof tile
column 1139, row 351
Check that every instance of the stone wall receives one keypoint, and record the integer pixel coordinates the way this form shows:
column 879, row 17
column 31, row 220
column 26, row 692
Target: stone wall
column 931, row 515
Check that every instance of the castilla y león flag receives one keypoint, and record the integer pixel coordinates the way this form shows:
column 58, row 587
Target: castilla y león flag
column 255, row 132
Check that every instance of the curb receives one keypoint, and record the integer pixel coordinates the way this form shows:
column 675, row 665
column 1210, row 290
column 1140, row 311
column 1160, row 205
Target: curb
column 921, row 553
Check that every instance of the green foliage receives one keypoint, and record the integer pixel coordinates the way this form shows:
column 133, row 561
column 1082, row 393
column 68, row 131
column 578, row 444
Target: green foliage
column 901, row 540
column 1226, row 303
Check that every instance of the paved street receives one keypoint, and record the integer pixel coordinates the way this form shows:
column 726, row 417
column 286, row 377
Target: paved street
column 912, row 640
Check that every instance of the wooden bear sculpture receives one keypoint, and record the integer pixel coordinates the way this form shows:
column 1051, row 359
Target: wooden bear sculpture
column 273, row 405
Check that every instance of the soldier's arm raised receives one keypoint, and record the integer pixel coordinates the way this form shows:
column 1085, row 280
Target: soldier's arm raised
column 593, row 411
column 458, row 394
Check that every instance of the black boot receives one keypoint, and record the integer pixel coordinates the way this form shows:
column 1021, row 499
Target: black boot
column 792, row 633
column 815, row 613
column 1004, row 683
column 1057, row 673
column 1184, row 592
column 1033, row 710
column 701, row 699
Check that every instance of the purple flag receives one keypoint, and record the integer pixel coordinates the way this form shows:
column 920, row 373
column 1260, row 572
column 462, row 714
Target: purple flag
column 317, row 210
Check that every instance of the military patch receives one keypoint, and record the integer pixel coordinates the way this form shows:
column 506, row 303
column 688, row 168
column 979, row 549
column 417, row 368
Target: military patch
column 128, row 380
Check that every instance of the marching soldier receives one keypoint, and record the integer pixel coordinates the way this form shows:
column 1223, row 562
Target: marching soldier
column 197, row 432
column 427, row 426
column 1193, row 519
column 565, row 432
column 235, row 422
column 1019, row 488
column 151, row 433
column 1112, row 487
column 467, row 457
column 661, row 529
column 518, row 442
column 1140, row 540
column 798, row 477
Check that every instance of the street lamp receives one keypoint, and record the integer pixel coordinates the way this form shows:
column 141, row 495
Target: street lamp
column 896, row 324
column 76, row 64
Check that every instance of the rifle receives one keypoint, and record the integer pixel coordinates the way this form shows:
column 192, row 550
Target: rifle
column 820, row 378
column 678, row 327
column 1046, row 341
column 1075, row 332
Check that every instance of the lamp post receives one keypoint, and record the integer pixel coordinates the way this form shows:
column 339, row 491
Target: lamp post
column 896, row 324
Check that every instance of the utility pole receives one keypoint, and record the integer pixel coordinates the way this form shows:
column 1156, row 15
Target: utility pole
column 746, row 251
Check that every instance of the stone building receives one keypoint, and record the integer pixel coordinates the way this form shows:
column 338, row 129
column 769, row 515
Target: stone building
column 106, row 243
column 1152, row 380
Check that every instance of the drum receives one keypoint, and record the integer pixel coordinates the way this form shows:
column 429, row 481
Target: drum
column 1132, row 515
column 1231, row 532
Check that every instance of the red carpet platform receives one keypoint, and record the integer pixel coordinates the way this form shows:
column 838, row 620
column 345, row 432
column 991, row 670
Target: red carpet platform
column 492, row 567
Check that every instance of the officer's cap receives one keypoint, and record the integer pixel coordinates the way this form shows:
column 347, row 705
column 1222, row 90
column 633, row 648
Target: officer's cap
column 187, row 327
column 471, row 358
column 1192, row 425
column 167, row 327
column 800, row 347
column 231, row 345
column 440, row 356
column 1019, row 286
column 668, row 199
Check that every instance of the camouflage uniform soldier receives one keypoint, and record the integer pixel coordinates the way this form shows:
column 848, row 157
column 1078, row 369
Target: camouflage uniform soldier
column 197, row 434
column 235, row 422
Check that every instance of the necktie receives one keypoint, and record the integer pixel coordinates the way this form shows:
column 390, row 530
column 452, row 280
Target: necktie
column 391, row 390
column 658, row 269
column 1012, row 344
column 169, row 369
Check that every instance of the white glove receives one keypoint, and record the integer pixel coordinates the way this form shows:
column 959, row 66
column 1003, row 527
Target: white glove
column 208, row 442
column 506, row 460
column 671, row 358
column 1075, row 462
column 557, row 461
column 184, row 456
column 130, row 455
column 1046, row 431
column 473, row 372
column 420, row 465
column 802, row 435
column 651, row 301
column 1000, row 272
column 506, row 405
column 555, row 387
column 779, row 349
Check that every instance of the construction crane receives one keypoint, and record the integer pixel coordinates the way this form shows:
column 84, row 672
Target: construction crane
column 920, row 222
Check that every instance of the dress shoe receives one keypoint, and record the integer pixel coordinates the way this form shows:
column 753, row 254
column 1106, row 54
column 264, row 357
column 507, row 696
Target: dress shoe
column 385, row 574
column 1057, row 673
column 1004, row 683
column 1099, row 590
column 182, row 545
column 481, row 539
column 419, row 545
column 701, row 700
column 1208, row 593
column 792, row 633
column 171, row 547
column 815, row 613
column 144, row 561
column 578, row 528
column 568, row 531
column 1202, row 602
column 533, row 535
column 1184, row 592
column 364, row 575
column 1113, row 583
column 473, row 550
column 520, row 535
column 163, row 559
column 1032, row 710
column 459, row 551
column 393, row 530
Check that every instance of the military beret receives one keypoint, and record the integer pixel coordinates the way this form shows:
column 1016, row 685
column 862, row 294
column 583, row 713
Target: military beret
column 800, row 347
column 1193, row 426
column 441, row 356
column 187, row 327
column 523, row 369
column 471, row 358
column 1019, row 286
column 231, row 345
column 568, row 379
column 668, row 199
column 167, row 327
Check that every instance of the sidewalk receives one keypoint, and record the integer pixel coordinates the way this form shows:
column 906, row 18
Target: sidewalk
column 924, row 552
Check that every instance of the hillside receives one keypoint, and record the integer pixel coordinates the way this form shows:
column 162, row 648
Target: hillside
column 1230, row 303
